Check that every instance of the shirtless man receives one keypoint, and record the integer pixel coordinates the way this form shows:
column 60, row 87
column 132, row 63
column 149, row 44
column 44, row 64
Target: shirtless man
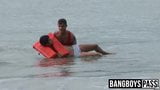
column 67, row 38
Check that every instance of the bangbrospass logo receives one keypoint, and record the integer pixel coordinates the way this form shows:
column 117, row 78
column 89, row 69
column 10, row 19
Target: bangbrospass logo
column 133, row 83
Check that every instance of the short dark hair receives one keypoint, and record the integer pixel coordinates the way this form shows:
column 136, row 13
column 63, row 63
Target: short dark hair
column 62, row 21
column 44, row 40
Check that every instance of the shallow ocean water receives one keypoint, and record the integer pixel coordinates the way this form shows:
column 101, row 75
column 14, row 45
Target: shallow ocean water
column 129, row 28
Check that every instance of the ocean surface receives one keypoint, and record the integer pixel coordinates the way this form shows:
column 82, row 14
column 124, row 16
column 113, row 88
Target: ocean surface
column 129, row 28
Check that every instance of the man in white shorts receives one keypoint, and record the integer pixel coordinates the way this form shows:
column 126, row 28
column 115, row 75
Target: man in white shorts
column 74, row 49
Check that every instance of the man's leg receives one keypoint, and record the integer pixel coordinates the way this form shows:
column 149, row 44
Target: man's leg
column 90, row 47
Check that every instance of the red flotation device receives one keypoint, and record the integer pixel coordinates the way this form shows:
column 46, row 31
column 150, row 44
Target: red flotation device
column 45, row 51
column 49, row 52
column 58, row 46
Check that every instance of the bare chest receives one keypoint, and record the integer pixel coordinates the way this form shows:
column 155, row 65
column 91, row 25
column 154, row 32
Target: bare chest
column 62, row 38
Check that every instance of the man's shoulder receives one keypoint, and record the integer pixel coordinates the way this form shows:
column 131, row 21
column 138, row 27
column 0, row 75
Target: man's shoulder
column 70, row 32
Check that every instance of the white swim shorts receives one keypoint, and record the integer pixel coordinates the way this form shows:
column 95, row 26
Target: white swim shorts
column 76, row 49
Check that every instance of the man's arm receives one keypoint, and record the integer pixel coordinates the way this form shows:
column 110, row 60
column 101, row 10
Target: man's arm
column 74, row 40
